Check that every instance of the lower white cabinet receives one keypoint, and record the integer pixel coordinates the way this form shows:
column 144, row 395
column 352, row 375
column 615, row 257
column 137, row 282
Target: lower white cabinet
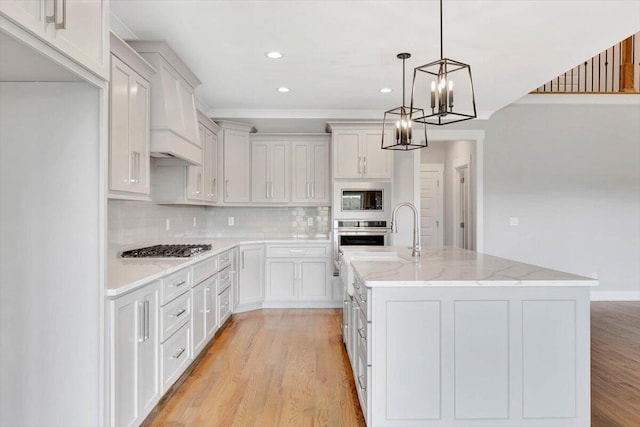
column 298, row 273
column 251, row 275
column 204, row 320
column 235, row 268
column 175, row 356
column 134, row 354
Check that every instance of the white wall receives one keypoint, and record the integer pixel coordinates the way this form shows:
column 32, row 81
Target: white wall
column 50, row 248
column 572, row 175
column 405, row 169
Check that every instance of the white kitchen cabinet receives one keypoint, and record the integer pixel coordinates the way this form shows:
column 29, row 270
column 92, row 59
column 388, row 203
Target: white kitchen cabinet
column 251, row 276
column 210, row 165
column 198, row 327
column 174, row 122
column 310, row 171
column 236, row 161
column 210, row 309
column 235, row 269
column 356, row 152
column 78, row 28
column 129, row 123
column 298, row 274
column 135, row 387
column 270, row 163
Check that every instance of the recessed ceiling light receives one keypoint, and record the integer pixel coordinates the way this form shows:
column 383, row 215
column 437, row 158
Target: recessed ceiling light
column 283, row 89
column 274, row 55
column 386, row 90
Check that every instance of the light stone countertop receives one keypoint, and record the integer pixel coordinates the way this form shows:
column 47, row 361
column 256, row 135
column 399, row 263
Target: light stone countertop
column 128, row 274
column 458, row 267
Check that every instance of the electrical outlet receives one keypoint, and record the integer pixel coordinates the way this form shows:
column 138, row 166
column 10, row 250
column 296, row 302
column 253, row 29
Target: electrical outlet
column 514, row 221
column 168, row 226
column 231, row 221
column 195, row 221
column 310, row 221
column 594, row 275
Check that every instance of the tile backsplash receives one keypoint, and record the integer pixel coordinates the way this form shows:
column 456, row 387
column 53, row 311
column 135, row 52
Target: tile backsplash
column 135, row 224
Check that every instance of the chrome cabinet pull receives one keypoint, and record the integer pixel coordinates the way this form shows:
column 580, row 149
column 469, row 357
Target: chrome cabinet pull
column 359, row 165
column 180, row 283
column 360, row 380
column 146, row 320
column 364, row 165
column 242, row 256
column 179, row 313
column 63, row 24
column 313, row 190
column 53, row 18
column 132, row 168
column 141, row 322
column 226, row 189
column 307, row 191
column 178, row 354
column 272, row 192
column 213, row 187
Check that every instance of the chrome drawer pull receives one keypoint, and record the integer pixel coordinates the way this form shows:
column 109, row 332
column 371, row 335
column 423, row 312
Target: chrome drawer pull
column 178, row 354
column 360, row 380
column 179, row 313
column 179, row 283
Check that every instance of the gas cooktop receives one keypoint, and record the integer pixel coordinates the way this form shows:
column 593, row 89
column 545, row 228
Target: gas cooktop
column 166, row 251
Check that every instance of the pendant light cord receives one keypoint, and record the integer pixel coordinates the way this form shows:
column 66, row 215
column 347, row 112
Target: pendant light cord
column 441, row 49
column 403, row 73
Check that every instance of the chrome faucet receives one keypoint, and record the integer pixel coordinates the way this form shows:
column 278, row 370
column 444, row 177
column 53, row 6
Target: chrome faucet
column 416, row 226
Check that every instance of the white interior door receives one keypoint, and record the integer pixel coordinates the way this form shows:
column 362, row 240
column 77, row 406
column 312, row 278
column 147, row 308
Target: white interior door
column 431, row 205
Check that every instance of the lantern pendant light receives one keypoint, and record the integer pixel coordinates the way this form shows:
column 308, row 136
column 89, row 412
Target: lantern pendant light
column 397, row 132
column 437, row 79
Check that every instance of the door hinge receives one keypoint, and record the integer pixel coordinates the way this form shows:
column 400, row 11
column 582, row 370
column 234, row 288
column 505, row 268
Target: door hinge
column 437, row 224
column 462, row 180
column 462, row 225
column 437, row 183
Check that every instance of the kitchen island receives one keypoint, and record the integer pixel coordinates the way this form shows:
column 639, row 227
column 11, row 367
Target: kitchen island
column 460, row 338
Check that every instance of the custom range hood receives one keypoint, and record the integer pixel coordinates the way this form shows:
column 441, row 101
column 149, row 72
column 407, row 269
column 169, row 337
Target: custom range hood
column 174, row 121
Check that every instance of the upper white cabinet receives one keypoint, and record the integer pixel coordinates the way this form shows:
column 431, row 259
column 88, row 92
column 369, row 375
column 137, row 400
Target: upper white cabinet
column 174, row 123
column 357, row 153
column 236, row 187
column 78, row 28
column 270, row 180
column 175, row 183
column 310, row 170
column 129, row 123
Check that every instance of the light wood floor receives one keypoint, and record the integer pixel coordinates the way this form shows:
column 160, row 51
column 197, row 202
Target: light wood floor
column 289, row 368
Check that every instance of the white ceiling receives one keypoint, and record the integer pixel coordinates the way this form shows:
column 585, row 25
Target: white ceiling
column 339, row 53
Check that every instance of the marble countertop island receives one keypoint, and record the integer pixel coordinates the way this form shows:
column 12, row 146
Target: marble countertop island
column 455, row 267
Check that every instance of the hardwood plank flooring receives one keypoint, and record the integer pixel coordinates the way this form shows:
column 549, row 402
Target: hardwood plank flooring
column 615, row 364
column 270, row 368
column 289, row 368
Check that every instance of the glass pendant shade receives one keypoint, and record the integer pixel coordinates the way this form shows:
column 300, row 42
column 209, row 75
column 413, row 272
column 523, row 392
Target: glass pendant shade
column 397, row 126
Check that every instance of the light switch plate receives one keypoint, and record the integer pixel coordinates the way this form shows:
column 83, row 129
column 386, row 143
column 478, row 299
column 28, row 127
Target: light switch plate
column 231, row 220
column 310, row 221
column 514, row 221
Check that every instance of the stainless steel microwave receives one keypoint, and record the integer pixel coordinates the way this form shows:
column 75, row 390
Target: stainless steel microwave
column 362, row 200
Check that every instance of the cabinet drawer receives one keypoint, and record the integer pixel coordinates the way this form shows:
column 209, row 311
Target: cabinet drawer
column 224, row 260
column 296, row 251
column 174, row 356
column 362, row 337
column 175, row 284
column 174, row 315
column 204, row 269
column 224, row 279
column 224, row 306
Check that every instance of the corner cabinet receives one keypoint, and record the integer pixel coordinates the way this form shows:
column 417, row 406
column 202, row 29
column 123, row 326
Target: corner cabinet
column 250, row 277
column 310, row 170
column 79, row 29
column 357, row 152
column 128, row 123
column 135, row 381
column 236, row 186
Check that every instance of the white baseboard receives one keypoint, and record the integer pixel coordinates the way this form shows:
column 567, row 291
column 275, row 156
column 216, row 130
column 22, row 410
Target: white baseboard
column 287, row 304
column 615, row 295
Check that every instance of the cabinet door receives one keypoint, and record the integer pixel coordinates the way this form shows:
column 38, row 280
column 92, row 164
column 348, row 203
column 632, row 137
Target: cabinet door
column 235, row 269
column 211, row 166
column 314, row 280
column 377, row 163
column 251, row 278
column 279, row 172
column 86, row 33
column 302, row 159
column 120, row 155
column 348, row 158
column 139, row 133
column 195, row 174
column 198, row 328
column 281, row 277
column 31, row 14
column 126, row 335
column 210, row 307
column 260, row 181
column 319, row 173
column 148, row 354
column 237, row 185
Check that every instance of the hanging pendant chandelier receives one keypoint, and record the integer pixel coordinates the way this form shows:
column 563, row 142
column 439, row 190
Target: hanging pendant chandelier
column 436, row 81
column 397, row 132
